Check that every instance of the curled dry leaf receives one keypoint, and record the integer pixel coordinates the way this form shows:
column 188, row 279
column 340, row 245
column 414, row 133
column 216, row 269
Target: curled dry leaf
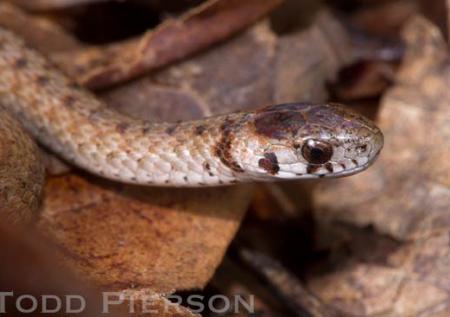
column 407, row 192
column 174, row 39
column 249, row 71
column 410, row 279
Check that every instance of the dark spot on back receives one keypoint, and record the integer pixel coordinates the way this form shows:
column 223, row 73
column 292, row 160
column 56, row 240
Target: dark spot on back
column 269, row 163
column 199, row 129
column 354, row 161
column 74, row 85
column 42, row 80
column 185, row 179
column 20, row 63
column 171, row 129
column 207, row 166
column 329, row 167
column 122, row 127
column 69, row 100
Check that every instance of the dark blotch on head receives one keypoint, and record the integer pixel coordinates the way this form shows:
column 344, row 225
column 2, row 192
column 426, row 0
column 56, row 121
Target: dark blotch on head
column 269, row 163
column 280, row 121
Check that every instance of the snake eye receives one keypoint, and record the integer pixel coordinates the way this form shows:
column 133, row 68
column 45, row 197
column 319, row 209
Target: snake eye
column 317, row 151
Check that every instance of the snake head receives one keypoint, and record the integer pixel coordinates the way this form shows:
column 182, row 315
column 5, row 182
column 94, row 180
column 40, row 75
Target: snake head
column 305, row 140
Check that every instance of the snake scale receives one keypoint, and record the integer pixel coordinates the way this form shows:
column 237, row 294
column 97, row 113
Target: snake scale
column 289, row 141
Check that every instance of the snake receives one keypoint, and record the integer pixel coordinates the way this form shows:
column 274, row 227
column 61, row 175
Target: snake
column 286, row 141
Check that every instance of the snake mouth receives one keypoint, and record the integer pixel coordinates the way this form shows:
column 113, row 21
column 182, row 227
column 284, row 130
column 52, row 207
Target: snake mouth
column 349, row 172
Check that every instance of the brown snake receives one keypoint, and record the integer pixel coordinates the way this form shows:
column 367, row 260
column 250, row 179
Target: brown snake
column 291, row 141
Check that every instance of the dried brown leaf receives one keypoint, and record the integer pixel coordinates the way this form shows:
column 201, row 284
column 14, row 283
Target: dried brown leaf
column 405, row 195
column 411, row 280
column 38, row 32
column 174, row 39
column 133, row 238
column 407, row 192
column 32, row 265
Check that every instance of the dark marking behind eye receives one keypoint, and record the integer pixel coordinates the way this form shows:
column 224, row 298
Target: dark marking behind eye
column 269, row 163
column 223, row 148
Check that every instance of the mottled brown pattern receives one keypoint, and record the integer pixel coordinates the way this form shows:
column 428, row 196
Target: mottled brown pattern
column 223, row 149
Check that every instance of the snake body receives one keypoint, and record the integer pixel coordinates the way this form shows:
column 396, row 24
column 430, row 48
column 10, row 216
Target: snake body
column 290, row 141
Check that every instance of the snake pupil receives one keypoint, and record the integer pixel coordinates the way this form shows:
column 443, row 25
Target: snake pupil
column 317, row 151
